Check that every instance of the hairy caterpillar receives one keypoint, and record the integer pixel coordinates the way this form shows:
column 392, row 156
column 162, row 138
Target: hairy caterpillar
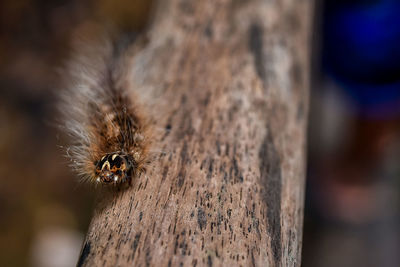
column 101, row 114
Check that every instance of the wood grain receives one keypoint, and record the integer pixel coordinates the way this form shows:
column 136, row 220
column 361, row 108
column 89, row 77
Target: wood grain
column 226, row 84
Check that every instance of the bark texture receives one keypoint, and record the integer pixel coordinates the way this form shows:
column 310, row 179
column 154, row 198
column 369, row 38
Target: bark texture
column 226, row 84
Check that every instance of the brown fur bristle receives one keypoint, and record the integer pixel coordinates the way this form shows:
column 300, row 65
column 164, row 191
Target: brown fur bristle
column 109, row 135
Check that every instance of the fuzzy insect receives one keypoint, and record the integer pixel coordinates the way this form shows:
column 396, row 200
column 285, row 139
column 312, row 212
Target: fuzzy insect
column 109, row 135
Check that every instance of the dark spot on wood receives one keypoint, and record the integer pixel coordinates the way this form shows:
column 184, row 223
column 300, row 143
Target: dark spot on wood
column 201, row 218
column 176, row 244
column 253, row 260
column 210, row 168
column 164, row 173
column 135, row 243
column 235, row 172
column 218, row 146
column 206, row 100
column 84, row 254
column 229, row 213
column 208, row 31
column 182, row 172
column 256, row 48
column 271, row 182
column 183, row 246
column 209, row 261
column 148, row 257
column 183, row 99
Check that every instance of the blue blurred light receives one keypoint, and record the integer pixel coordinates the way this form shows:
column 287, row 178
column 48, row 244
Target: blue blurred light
column 361, row 50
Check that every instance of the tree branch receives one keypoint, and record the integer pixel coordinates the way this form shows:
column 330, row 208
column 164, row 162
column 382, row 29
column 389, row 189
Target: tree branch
column 228, row 81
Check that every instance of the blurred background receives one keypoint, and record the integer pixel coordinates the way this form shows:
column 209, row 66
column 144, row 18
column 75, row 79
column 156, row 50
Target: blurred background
column 352, row 198
column 44, row 212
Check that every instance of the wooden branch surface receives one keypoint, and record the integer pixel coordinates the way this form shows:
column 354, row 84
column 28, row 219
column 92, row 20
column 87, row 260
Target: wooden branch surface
column 226, row 83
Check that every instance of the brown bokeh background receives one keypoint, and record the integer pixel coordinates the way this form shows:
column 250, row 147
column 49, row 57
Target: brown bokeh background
column 38, row 193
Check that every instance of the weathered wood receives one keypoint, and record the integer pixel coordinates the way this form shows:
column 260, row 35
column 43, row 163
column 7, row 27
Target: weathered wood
column 228, row 81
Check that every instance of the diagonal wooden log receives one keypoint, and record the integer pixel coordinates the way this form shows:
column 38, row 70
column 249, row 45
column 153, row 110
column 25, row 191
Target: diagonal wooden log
column 228, row 81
